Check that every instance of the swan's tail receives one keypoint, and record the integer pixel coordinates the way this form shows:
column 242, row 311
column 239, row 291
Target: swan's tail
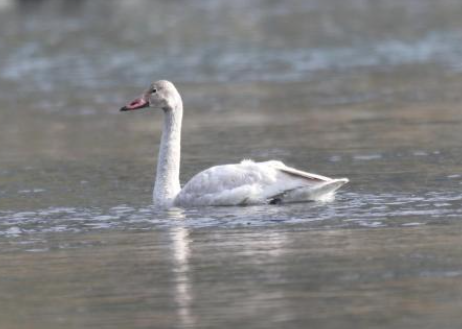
column 319, row 192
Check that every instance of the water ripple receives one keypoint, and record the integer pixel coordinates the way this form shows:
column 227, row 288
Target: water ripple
column 350, row 210
column 211, row 63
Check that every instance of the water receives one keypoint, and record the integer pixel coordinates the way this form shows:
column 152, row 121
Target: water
column 368, row 90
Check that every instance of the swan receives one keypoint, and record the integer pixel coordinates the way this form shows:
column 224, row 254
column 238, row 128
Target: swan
column 245, row 183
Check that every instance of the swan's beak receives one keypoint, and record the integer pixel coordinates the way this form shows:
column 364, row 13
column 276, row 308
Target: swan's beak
column 137, row 104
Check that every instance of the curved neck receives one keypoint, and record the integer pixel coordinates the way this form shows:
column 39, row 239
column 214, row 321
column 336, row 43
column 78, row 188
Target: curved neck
column 167, row 184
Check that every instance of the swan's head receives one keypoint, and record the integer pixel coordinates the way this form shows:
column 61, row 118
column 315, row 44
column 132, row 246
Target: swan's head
column 161, row 94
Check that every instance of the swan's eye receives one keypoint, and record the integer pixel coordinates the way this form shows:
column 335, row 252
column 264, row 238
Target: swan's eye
column 154, row 90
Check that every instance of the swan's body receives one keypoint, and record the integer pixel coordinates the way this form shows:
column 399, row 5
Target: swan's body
column 251, row 182
column 245, row 183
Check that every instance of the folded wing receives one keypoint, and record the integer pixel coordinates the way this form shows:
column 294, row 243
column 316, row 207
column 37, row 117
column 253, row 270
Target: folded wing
column 248, row 183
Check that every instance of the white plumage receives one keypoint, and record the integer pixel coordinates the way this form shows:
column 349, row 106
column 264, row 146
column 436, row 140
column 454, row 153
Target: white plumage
column 251, row 182
column 245, row 183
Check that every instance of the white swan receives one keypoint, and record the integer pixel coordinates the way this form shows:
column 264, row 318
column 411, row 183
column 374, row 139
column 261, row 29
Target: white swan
column 245, row 183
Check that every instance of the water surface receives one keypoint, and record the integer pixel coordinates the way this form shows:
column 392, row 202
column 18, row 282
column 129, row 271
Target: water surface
column 368, row 90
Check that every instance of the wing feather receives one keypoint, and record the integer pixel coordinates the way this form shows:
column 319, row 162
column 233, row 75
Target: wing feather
column 302, row 174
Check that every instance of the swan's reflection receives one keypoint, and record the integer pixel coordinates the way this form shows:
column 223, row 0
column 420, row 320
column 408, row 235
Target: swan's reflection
column 248, row 249
column 181, row 255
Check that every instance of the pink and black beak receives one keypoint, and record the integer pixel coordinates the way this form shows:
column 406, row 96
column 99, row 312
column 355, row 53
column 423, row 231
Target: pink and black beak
column 137, row 104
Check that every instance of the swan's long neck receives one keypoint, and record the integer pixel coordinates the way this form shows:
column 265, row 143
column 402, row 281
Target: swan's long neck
column 167, row 184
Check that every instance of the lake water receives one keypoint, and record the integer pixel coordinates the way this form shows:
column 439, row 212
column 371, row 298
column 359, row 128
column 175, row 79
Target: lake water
column 369, row 90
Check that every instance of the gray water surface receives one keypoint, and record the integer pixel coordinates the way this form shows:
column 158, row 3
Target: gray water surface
column 368, row 90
